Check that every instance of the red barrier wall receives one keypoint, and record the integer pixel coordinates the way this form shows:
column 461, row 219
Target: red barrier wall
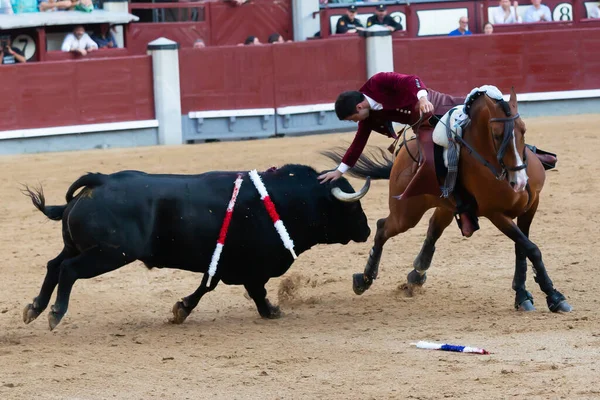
column 232, row 25
column 317, row 71
column 65, row 93
column 239, row 77
column 230, row 77
column 184, row 33
column 531, row 62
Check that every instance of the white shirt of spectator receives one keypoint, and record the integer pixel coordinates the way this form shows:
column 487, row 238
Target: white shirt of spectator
column 595, row 13
column 498, row 16
column 5, row 7
column 533, row 15
column 72, row 43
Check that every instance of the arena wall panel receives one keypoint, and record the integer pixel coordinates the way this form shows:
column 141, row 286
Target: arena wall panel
column 76, row 92
column 315, row 72
column 226, row 78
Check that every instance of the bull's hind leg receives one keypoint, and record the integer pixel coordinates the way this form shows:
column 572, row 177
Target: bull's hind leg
column 183, row 308
column 439, row 221
column 258, row 293
column 523, row 299
column 405, row 215
column 33, row 310
column 556, row 301
column 88, row 264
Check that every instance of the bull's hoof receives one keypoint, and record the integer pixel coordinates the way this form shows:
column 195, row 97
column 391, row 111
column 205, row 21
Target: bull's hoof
column 54, row 319
column 30, row 313
column 415, row 278
column 273, row 312
column 524, row 301
column 558, row 303
column 360, row 284
column 180, row 313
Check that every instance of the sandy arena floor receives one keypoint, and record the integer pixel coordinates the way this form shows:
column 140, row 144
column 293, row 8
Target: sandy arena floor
column 115, row 342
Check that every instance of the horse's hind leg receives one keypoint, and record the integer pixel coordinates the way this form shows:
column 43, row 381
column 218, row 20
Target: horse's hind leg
column 556, row 301
column 405, row 215
column 439, row 221
column 523, row 299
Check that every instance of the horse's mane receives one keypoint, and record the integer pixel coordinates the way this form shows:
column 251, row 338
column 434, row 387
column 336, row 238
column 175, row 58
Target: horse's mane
column 492, row 92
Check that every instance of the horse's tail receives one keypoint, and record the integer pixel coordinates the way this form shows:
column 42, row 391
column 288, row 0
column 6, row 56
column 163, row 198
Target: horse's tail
column 56, row 212
column 376, row 166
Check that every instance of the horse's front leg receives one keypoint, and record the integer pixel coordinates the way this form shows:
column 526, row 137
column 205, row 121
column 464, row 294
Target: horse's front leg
column 439, row 221
column 362, row 282
column 523, row 299
column 556, row 301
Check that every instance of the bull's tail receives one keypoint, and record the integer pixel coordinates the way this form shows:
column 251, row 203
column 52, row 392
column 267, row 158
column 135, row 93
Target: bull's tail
column 377, row 166
column 39, row 201
column 56, row 212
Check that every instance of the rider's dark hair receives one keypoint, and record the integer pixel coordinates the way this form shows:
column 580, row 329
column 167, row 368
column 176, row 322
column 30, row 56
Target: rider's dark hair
column 346, row 103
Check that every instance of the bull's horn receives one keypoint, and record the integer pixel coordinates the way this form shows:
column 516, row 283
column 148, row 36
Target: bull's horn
column 351, row 197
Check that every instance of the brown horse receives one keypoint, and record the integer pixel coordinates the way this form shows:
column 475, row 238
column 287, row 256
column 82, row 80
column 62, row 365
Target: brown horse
column 492, row 141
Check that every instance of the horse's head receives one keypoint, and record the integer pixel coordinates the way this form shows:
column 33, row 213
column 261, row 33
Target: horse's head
column 505, row 137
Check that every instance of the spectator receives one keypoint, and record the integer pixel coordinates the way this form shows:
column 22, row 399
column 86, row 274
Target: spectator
column 537, row 12
column 104, row 38
column 488, row 28
column 9, row 54
column 463, row 28
column 595, row 12
column 504, row 14
column 237, row 2
column 54, row 5
column 251, row 41
column 199, row 44
column 381, row 18
column 5, row 7
column 79, row 42
column 348, row 23
column 276, row 38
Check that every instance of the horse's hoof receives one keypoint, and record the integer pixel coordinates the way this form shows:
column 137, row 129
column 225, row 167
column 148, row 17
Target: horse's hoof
column 30, row 313
column 563, row 306
column 527, row 305
column 359, row 285
column 558, row 303
column 415, row 278
column 54, row 319
column 179, row 313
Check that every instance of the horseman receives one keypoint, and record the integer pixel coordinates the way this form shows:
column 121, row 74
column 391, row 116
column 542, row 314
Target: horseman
column 392, row 97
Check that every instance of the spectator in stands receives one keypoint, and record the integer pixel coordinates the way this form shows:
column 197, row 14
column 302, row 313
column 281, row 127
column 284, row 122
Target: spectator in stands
column 504, row 14
column 104, row 38
column 537, row 12
column 463, row 28
column 199, row 44
column 236, row 2
column 79, row 42
column 595, row 12
column 488, row 28
column 276, row 38
column 9, row 54
column 54, row 5
column 381, row 18
column 5, row 7
column 348, row 23
column 251, row 41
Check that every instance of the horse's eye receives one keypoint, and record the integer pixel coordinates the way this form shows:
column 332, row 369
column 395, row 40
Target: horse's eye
column 498, row 137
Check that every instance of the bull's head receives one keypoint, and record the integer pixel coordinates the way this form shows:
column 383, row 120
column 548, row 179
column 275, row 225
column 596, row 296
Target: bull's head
column 351, row 197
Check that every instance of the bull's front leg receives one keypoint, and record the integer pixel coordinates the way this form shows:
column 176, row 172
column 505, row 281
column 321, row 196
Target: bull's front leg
column 258, row 293
column 183, row 308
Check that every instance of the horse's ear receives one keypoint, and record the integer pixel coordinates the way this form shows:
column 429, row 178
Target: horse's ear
column 513, row 98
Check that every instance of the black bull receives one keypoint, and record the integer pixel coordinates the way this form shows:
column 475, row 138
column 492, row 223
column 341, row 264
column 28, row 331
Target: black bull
column 173, row 221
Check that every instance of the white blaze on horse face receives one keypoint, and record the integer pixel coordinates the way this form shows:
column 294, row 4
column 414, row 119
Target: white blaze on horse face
column 518, row 178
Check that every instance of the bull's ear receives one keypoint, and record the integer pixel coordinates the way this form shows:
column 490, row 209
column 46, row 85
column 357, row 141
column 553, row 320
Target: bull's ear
column 513, row 100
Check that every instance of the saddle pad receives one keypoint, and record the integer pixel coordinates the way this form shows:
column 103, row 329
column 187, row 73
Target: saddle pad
column 457, row 121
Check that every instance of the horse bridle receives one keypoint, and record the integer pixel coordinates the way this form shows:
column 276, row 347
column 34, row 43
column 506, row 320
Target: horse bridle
column 509, row 125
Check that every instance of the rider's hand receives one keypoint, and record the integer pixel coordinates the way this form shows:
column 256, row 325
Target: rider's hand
column 425, row 105
column 330, row 176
